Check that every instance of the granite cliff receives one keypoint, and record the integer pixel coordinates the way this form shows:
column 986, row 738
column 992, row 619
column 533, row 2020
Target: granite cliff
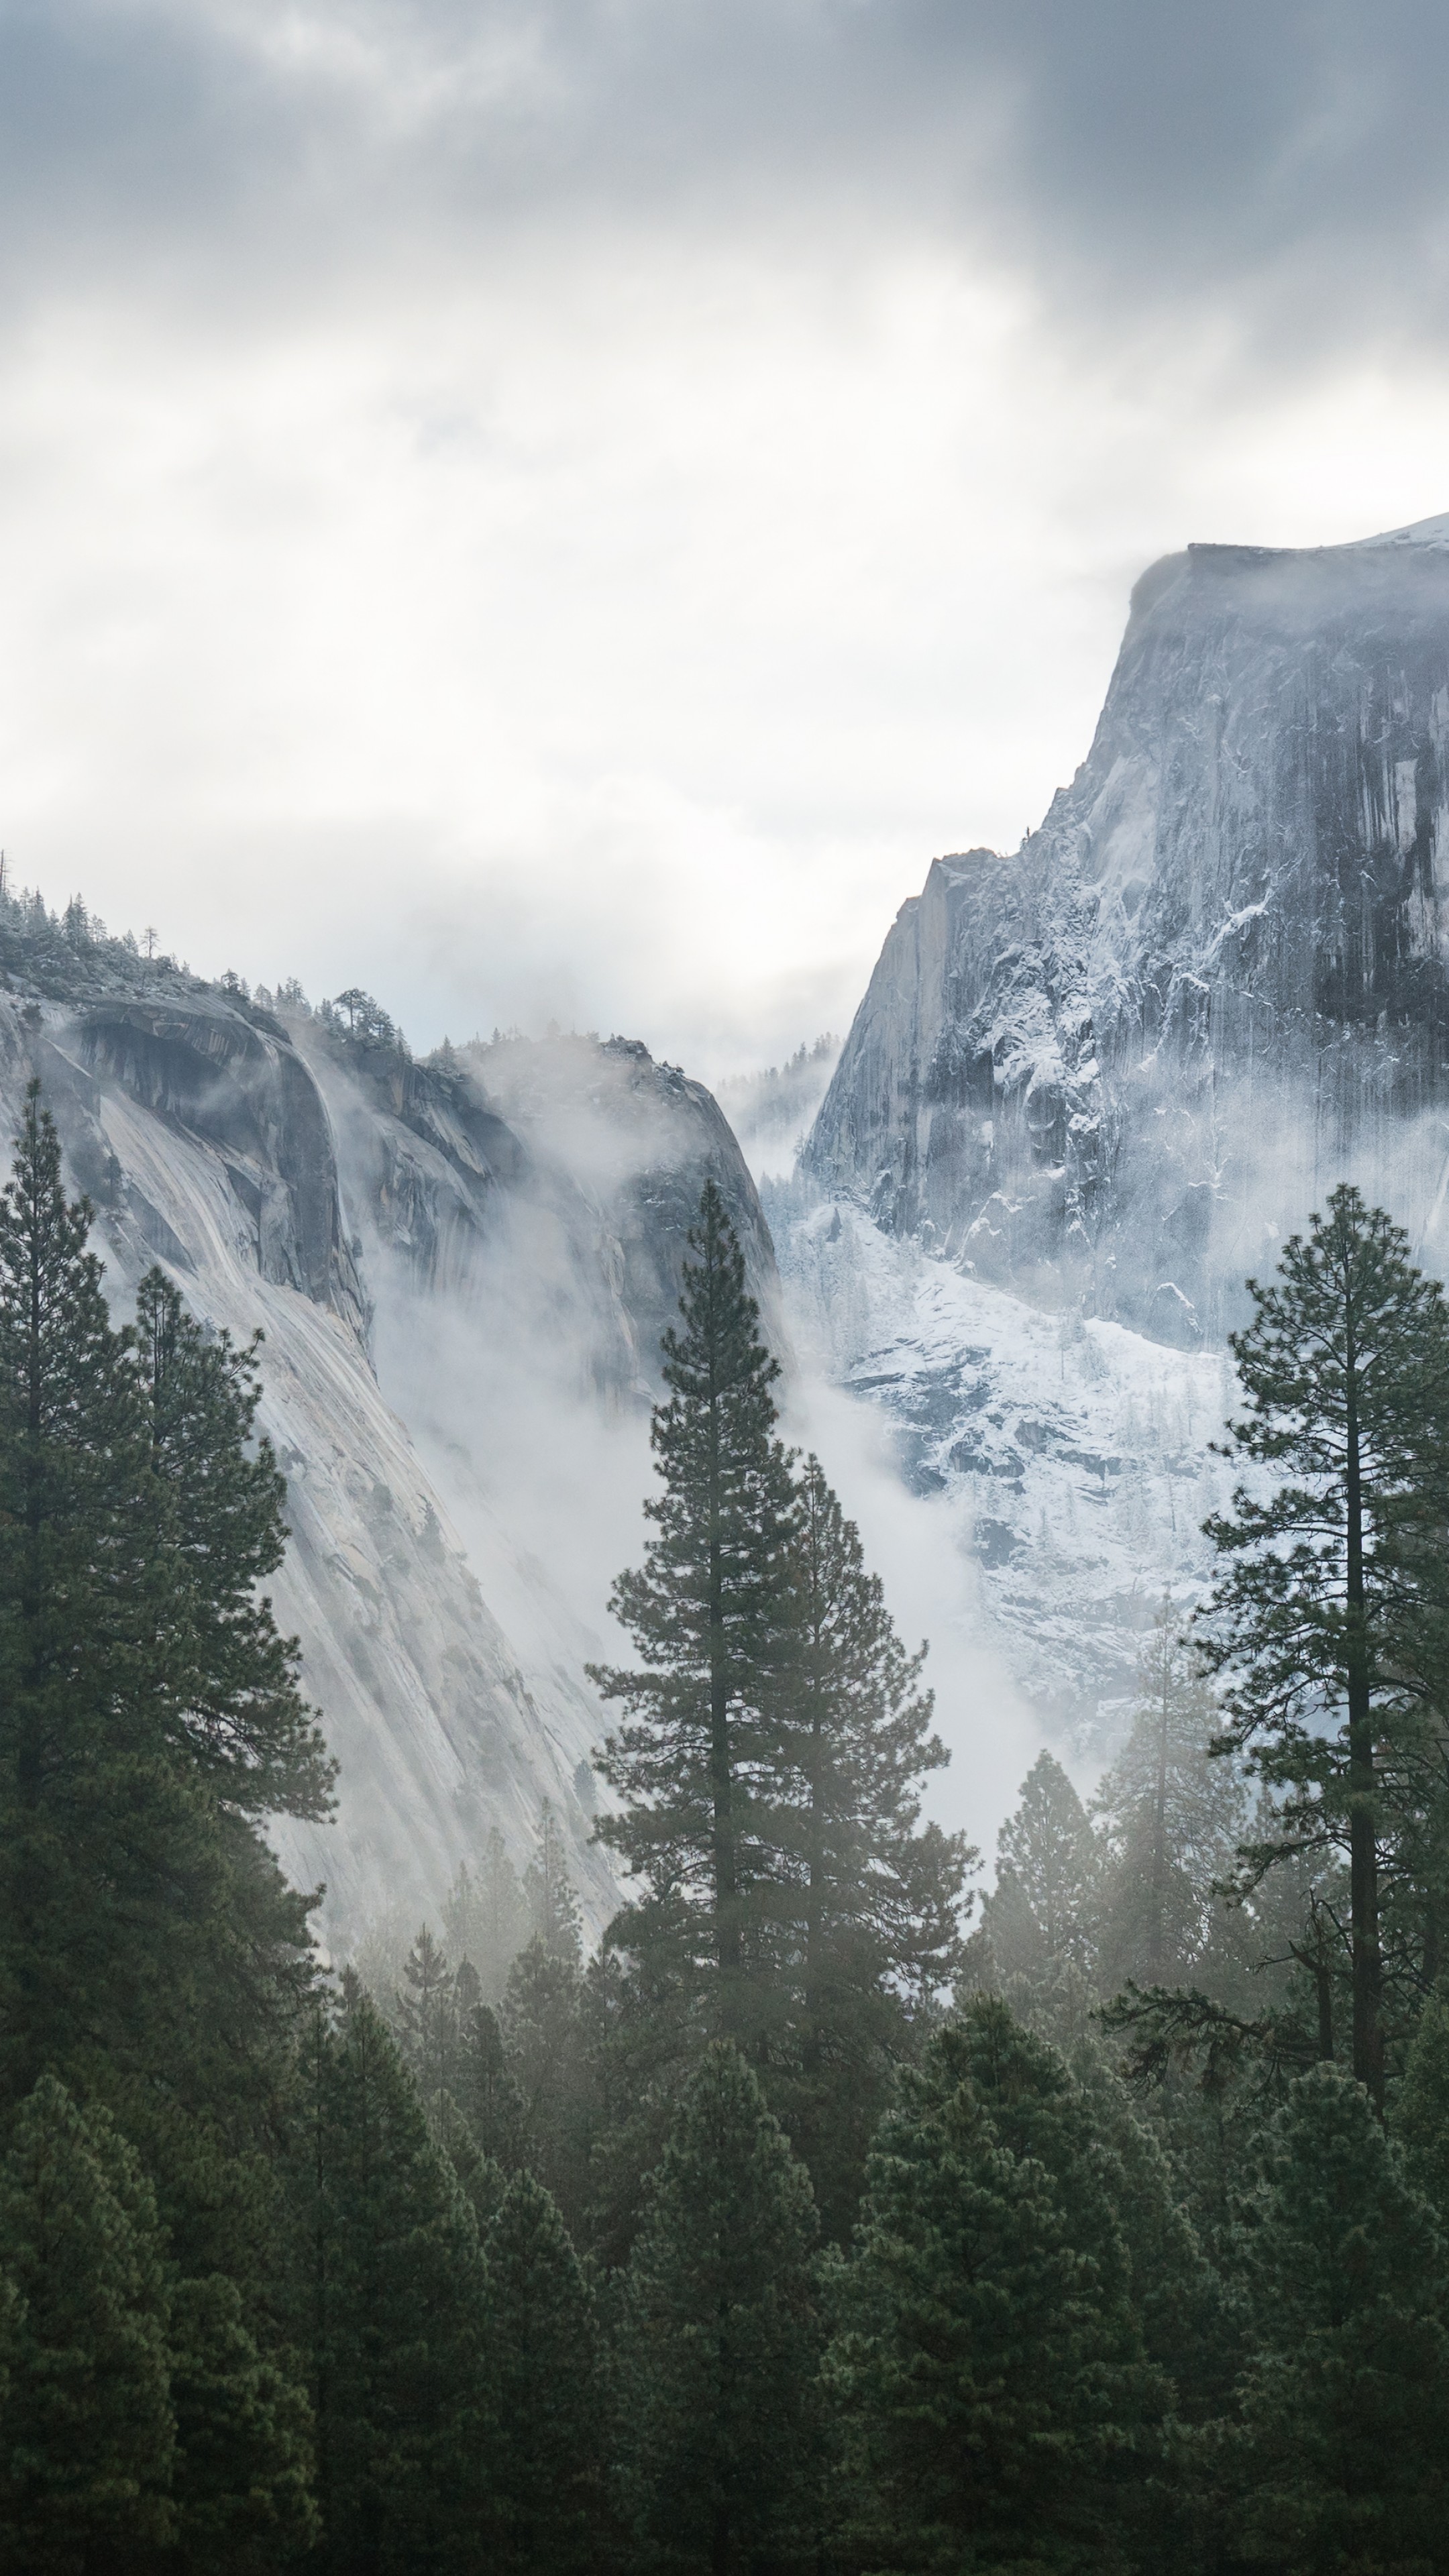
column 1105, row 1069
column 462, row 1268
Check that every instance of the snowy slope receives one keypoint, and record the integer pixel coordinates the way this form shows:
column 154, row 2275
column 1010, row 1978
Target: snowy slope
column 1109, row 1069
column 1079, row 1451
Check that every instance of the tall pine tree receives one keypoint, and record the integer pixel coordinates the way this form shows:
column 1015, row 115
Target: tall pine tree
column 388, row 2284
column 543, row 2414
column 870, row 1895
column 989, row 2365
column 87, row 2435
column 1042, row 1917
column 1344, row 2405
column 1172, row 1817
column 720, row 2340
column 1329, row 1613
column 711, row 1614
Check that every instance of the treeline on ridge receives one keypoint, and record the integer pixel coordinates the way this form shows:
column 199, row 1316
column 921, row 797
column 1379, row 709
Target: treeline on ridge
column 796, row 2227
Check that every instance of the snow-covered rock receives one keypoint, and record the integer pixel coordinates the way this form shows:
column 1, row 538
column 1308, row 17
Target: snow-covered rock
column 1110, row 1070
column 1077, row 1451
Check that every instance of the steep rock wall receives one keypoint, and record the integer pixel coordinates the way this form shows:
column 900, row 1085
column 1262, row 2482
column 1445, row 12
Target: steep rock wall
column 1107, row 1069
column 356, row 1205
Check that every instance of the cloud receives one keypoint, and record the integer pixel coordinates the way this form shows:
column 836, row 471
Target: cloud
column 1127, row 154
column 559, row 511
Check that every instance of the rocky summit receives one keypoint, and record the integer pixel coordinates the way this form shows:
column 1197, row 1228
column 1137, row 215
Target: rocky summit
column 1105, row 1070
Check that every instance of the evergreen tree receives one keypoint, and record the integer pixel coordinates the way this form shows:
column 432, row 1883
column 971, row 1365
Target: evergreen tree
column 872, row 1898
column 425, row 2019
column 711, row 1615
column 485, row 1918
column 100, row 1849
column 543, row 2416
column 1420, row 2116
column 87, row 2437
column 1344, row 2405
column 236, row 1707
column 1042, row 1918
column 145, row 1931
column 387, row 2251
column 549, row 1893
column 544, row 2041
column 1173, row 1820
column 720, row 2340
column 242, row 2486
column 1329, row 1611
column 484, row 2090
column 988, row 2364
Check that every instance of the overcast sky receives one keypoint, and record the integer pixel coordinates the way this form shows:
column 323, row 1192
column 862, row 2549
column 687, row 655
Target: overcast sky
column 562, row 510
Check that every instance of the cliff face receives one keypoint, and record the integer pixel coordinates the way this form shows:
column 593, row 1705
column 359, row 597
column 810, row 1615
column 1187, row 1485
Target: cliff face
column 1106, row 1070
column 409, row 1237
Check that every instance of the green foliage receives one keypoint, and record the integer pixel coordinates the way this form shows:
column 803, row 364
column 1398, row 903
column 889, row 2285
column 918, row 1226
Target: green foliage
column 549, row 1895
column 696, row 1759
column 718, row 2425
column 388, row 2275
column 1172, row 1821
column 87, row 2436
column 1329, row 1614
column 485, row 1918
column 543, row 2413
column 1421, row 2106
column 242, row 2485
column 988, row 2363
column 869, row 1897
column 235, row 1708
column 1344, row 2403
column 1042, row 1919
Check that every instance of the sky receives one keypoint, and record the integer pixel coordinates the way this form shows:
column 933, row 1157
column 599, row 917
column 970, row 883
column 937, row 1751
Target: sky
column 560, row 511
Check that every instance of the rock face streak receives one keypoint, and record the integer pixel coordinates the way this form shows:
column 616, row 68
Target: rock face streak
column 1106, row 1070
column 390, row 1227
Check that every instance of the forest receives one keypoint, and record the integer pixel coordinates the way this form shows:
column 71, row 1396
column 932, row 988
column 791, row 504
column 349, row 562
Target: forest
column 823, row 2217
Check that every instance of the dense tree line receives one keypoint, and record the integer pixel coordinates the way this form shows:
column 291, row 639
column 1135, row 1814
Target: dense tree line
column 790, row 2228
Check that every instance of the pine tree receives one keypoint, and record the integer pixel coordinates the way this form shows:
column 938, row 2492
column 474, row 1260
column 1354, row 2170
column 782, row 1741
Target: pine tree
column 549, row 1893
column 243, row 2477
column 543, row 2040
column 542, row 2404
column 872, row 1900
column 1042, row 1917
column 720, row 2340
column 1329, row 1611
column 87, row 2439
column 150, row 1950
column 711, row 1616
column 1173, row 1819
column 988, row 2365
column 485, row 1918
column 1344, row 2406
column 484, row 2090
column 236, row 1707
column 425, row 2020
column 97, row 1846
column 387, row 2250
column 1420, row 2117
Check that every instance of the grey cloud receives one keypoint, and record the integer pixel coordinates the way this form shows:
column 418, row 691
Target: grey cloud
column 1136, row 148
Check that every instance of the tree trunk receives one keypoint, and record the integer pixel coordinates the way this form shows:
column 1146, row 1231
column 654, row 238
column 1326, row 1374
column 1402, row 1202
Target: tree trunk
column 1368, row 2046
column 726, row 1907
column 1159, row 1836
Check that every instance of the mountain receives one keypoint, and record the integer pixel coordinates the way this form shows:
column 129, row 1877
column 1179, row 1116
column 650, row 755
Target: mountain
column 1104, row 1070
column 461, row 1268
column 1094, row 1083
